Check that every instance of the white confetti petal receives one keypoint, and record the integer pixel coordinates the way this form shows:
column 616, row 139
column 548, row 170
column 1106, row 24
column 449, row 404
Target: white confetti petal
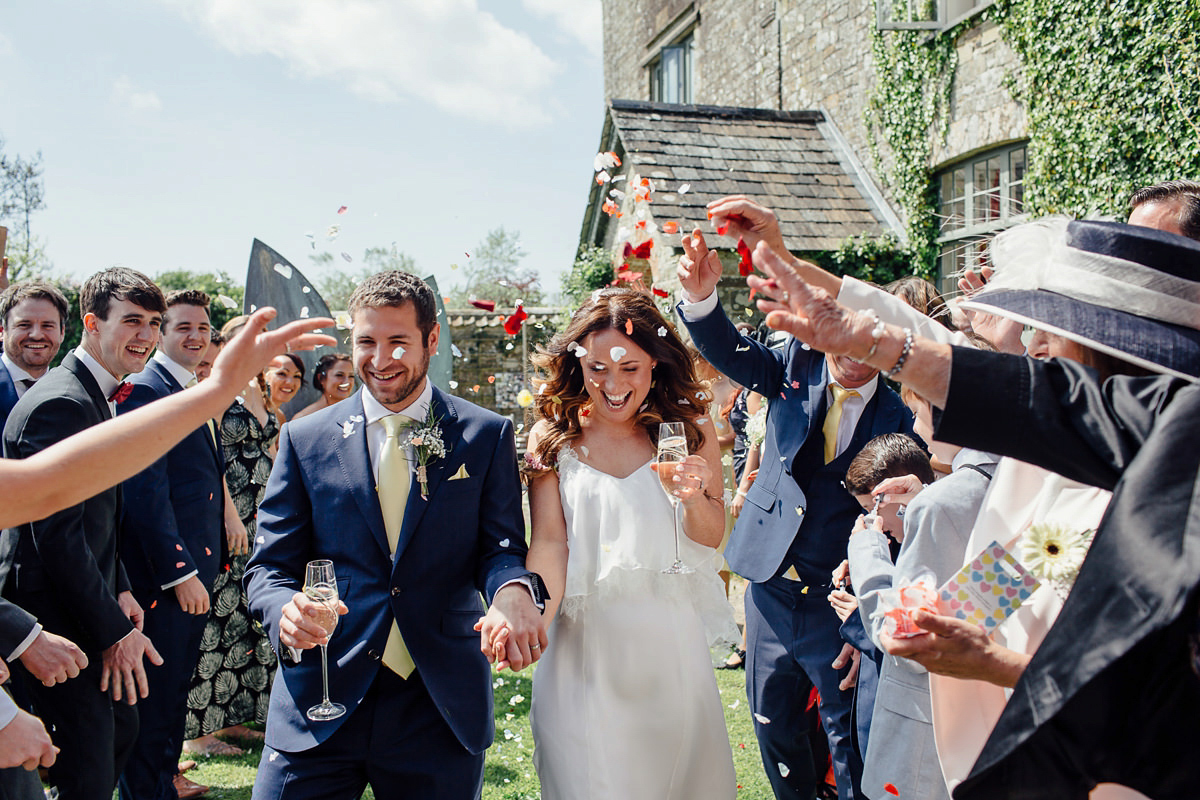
column 685, row 188
column 617, row 353
column 783, row 769
column 761, row 719
column 398, row 352
column 304, row 313
column 260, row 539
column 504, row 542
column 453, row 384
column 284, row 270
column 253, row 308
column 662, row 330
column 579, row 351
column 735, row 704
column 273, row 756
column 333, row 232
column 516, row 699
column 455, row 351
column 702, row 421
column 603, row 177
column 585, row 450
column 228, row 302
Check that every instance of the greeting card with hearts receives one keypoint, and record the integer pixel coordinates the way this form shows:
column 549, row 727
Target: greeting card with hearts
column 988, row 589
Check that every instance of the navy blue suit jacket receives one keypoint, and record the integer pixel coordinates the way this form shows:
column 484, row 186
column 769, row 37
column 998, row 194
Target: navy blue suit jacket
column 466, row 538
column 173, row 521
column 793, row 380
column 8, row 394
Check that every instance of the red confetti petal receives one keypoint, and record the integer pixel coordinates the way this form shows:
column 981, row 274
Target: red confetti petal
column 890, row 788
column 710, row 215
column 486, row 305
column 626, row 275
column 721, row 229
column 640, row 225
column 152, row 605
column 629, row 327
column 512, row 325
column 746, row 266
column 179, row 565
column 671, row 226
column 643, row 249
column 660, row 292
column 343, row 210
column 179, row 547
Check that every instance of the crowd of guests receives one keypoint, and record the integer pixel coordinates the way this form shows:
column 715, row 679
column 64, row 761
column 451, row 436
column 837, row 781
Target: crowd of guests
column 1045, row 416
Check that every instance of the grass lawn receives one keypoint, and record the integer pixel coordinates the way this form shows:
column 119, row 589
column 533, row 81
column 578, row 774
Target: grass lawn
column 509, row 773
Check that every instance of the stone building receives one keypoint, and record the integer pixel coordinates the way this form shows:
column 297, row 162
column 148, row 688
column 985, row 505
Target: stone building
column 792, row 58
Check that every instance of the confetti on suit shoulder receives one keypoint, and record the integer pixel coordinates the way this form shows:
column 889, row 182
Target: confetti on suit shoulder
column 746, row 265
column 485, row 305
column 179, row 565
column 670, row 226
column 284, row 270
column 179, row 547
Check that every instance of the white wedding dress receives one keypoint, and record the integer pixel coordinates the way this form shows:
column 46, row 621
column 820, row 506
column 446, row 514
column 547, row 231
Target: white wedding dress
column 625, row 702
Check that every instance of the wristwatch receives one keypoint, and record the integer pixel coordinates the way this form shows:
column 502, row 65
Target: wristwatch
column 537, row 588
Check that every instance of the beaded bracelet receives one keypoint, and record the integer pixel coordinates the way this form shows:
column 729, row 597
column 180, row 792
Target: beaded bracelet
column 877, row 332
column 904, row 351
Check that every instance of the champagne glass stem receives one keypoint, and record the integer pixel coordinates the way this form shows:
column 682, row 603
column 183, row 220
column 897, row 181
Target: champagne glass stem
column 324, row 675
column 675, row 519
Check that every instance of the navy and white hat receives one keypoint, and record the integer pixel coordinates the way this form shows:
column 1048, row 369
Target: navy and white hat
column 1124, row 290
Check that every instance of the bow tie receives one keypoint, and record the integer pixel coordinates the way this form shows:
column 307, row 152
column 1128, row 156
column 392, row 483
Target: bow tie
column 121, row 393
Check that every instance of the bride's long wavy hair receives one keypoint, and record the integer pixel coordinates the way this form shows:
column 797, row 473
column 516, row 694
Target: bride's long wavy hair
column 561, row 398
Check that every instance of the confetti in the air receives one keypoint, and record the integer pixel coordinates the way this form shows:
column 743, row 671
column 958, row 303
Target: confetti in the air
column 746, row 265
column 602, row 177
column 284, row 270
column 398, row 352
column 347, row 257
column 611, row 208
column 343, row 209
column 660, row 292
column 453, row 384
column 670, row 226
column 455, row 351
column 226, row 301
column 604, row 161
column 524, row 398
column 485, row 305
column 616, row 353
column 333, row 232
column 685, row 188
column 491, row 378
column 512, row 325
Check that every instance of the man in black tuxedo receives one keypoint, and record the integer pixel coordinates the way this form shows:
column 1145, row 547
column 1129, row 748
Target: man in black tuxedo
column 65, row 569
column 171, row 538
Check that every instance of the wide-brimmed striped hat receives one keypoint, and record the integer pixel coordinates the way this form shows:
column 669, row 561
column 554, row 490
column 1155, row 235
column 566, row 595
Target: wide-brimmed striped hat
column 1124, row 290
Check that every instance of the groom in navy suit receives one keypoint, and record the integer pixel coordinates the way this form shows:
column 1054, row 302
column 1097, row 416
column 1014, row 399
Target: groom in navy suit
column 413, row 547
column 794, row 527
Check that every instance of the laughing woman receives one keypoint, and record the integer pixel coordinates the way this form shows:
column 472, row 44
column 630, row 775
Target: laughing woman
column 284, row 376
column 625, row 702
column 333, row 377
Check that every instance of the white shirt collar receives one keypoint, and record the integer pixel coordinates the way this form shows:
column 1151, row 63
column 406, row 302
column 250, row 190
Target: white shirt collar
column 108, row 382
column 15, row 371
column 866, row 391
column 179, row 372
column 418, row 409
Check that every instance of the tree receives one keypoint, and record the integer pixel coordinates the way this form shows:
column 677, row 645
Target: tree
column 494, row 272
column 21, row 194
column 592, row 270
column 336, row 284
column 214, row 284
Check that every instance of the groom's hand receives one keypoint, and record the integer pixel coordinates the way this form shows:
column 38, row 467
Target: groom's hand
column 299, row 625
column 514, row 608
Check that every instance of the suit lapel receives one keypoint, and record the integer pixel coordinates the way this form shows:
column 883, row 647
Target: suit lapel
column 414, row 511
column 88, row 382
column 348, row 434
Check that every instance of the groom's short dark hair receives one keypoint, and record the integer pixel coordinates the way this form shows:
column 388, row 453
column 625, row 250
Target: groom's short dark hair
column 395, row 288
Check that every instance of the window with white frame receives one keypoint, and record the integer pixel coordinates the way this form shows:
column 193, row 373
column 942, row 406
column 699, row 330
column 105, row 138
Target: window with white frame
column 671, row 72
column 892, row 15
column 977, row 198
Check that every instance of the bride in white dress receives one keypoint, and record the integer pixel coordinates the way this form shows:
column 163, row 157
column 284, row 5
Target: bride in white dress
column 625, row 702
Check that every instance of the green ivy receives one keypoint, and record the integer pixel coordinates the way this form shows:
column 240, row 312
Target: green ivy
column 878, row 260
column 1112, row 94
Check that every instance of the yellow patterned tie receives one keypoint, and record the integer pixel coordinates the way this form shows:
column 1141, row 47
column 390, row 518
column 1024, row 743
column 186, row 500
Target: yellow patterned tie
column 833, row 419
column 395, row 477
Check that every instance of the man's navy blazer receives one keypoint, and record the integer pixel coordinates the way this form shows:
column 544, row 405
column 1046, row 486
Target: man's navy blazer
column 8, row 394
column 173, row 521
column 465, row 538
column 793, row 380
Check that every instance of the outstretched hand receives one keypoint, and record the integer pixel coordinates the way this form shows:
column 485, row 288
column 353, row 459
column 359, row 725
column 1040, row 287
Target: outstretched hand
column 699, row 268
column 254, row 346
column 807, row 312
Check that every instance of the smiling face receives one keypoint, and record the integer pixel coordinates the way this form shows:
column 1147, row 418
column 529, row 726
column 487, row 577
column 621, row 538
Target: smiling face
column 123, row 342
column 848, row 372
column 283, row 379
column 339, row 381
column 186, row 335
column 33, row 333
column 616, row 375
column 390, row 356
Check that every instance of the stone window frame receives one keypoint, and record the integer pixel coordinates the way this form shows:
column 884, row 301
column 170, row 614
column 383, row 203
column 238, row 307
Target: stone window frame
column 679, row 34
column 930, row 15
column 978, row 197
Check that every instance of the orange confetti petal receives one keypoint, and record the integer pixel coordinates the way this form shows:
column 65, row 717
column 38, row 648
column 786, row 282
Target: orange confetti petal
column 179, row 565
column 179, row 547
column 491, row 378
column 207, row 552
column 670, row 226
column 152, row 605
column 629, row 327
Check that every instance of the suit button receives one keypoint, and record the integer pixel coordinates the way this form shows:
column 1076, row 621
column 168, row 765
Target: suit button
column 396, row 590
column 374, row 654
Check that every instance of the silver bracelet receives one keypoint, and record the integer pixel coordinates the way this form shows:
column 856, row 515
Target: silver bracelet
column 904, row 351
column 877, row 333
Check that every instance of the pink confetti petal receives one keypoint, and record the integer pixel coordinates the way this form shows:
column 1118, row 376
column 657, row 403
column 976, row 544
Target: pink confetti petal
column 343, row 210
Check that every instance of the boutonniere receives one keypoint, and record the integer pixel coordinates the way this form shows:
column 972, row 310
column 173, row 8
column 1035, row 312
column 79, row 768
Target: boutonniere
column 348, row 426
column 1054, row 553
column 425, row 439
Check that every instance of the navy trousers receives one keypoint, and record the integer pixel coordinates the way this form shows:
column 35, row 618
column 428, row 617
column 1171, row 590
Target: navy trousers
column 791, row 640
column 396, row 741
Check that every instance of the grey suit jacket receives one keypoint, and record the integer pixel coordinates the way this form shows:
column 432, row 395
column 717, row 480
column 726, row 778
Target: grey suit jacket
column 937, row 525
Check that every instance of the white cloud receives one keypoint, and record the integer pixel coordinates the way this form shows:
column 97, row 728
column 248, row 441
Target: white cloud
column 580, row 19
column 445, row 52
column 126, row 94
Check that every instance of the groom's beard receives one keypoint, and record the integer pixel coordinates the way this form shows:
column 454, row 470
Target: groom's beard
column 406, row 389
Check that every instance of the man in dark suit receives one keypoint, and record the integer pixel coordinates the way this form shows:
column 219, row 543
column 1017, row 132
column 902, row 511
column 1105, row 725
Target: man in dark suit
column 171, row 537
column 65, row 569
column 795, row 525
column 415, row 533
column 33, row 319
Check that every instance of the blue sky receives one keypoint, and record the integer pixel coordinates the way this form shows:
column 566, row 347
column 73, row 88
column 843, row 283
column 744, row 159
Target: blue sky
column 176, row 131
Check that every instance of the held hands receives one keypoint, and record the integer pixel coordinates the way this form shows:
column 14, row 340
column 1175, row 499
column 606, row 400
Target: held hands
column 512, row 634
column 53, row 659
column 192, row 596
column 130, row 608
column 692, row 475
column 300, row 622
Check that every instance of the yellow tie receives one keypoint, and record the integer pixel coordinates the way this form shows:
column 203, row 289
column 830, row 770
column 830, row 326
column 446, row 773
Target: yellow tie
column 833, row 419
column 395, row 477
column 212, row 428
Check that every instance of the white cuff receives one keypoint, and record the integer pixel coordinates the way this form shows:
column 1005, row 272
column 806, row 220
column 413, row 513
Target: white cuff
column 692, row 310
column 173, row 584
column 8, row 709
column 528, row 584
column 23, row 646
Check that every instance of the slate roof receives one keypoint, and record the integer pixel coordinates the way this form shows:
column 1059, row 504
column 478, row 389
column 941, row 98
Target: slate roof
column 793, row 162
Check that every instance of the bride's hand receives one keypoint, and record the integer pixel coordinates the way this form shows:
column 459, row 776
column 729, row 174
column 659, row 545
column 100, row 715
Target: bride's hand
column 692, row 476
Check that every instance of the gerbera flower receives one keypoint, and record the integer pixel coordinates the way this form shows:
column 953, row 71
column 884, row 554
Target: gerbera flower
column 1054, row 552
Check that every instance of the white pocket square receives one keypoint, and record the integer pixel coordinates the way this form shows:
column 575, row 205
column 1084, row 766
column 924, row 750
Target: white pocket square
column 462, row 473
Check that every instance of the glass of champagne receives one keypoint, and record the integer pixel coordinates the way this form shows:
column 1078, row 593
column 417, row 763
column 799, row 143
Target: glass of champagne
column 320, row 584
column 672, row 448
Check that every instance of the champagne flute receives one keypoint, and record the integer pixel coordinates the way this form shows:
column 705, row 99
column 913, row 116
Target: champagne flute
column 320, row 584
column 672, row 448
